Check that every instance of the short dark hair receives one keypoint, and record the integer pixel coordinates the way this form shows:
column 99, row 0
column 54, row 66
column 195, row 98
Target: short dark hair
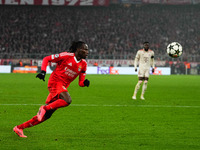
column 75, row 45
column 146, row 42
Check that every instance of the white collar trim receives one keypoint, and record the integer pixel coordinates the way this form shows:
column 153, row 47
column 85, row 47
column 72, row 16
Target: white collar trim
column 76, row 60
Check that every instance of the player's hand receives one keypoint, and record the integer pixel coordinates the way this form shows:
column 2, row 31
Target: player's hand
column 135, row 69
column 41, row 75
column 86, row 82
column 153, row 70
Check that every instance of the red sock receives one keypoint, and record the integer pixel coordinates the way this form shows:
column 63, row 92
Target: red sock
column 29, row 123
column 56, row 104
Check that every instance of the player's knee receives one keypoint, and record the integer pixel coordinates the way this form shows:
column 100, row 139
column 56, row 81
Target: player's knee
column 140, row 81
column 145, row 81
column 66, row 97
column 69, row 100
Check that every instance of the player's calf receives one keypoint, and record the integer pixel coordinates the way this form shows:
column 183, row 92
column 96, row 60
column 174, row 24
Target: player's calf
column 41, row 113
column 144, row 87
column 137, row 87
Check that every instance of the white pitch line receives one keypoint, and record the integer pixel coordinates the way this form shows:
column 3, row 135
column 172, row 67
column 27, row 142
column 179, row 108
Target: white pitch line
column 95, row 105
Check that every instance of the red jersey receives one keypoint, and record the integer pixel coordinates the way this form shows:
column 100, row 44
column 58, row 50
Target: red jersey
column 67, row 69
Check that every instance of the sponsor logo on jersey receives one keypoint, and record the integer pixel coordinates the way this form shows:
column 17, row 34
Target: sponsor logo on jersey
column 70, row 72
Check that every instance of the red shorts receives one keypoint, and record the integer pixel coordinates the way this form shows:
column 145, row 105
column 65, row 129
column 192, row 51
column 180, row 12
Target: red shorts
column 54, row 91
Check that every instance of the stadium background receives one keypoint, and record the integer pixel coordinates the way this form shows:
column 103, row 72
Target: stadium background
column 103, row 116
column 114, row 31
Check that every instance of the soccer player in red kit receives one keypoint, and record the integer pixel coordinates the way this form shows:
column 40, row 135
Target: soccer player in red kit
column 69, row 66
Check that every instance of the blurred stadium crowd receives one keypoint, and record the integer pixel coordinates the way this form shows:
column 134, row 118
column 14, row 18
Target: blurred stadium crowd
column 114, row 32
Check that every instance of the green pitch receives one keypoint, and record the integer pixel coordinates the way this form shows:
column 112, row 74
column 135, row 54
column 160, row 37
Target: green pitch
column 104, row 116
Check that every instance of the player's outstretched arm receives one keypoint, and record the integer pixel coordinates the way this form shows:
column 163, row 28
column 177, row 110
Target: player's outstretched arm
column 51, row 58
column 41, row 75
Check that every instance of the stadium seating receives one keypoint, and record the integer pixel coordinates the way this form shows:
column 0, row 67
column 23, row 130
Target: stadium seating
column 114, row 32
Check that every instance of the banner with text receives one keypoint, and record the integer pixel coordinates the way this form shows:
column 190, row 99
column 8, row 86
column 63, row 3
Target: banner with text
column 56, row 2
column 5, row 69
column 175, row 2
column 121, row 70
column 25, row 69
column 152, row 1
column 131, row 1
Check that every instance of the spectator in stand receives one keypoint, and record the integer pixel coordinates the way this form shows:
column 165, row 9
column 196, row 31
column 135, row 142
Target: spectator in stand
column 198, row 68
column 95, row 64
column 113, row 32
column 188, row 67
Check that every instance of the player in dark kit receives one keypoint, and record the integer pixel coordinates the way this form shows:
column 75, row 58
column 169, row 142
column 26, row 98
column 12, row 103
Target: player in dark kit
column 69, row 66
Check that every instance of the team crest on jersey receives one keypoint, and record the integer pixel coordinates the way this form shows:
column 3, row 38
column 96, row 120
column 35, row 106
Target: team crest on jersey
column 70, row 64
column 79, row 68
